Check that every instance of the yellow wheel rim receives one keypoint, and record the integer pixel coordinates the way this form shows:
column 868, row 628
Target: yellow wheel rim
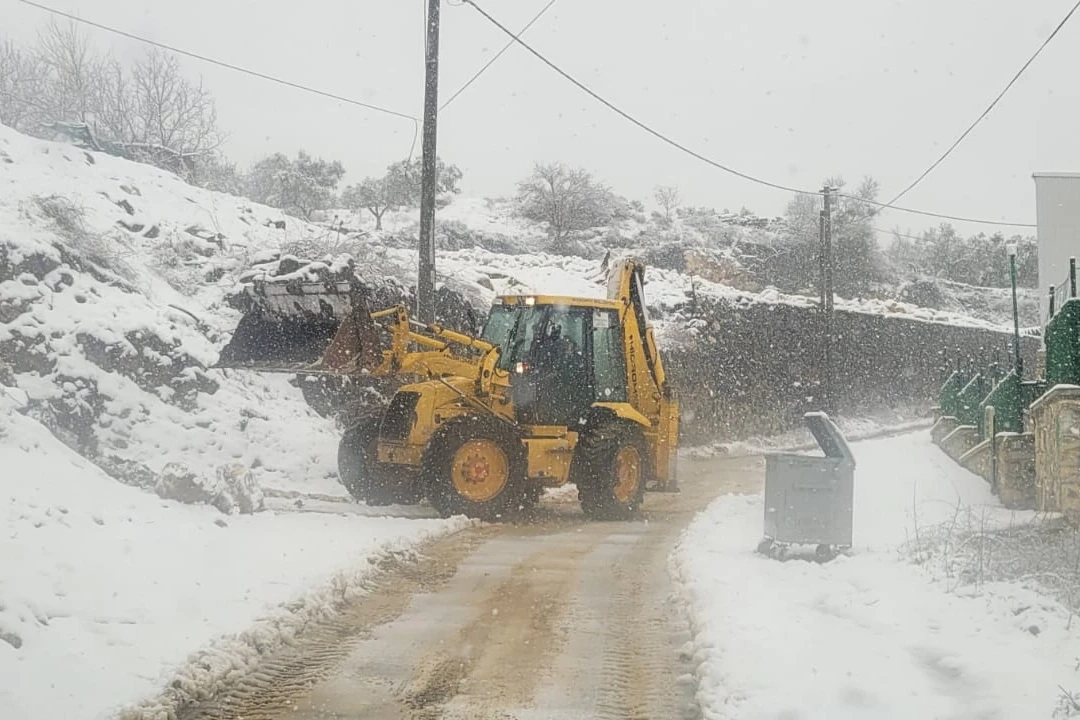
column 479, row 470
column 627, row 473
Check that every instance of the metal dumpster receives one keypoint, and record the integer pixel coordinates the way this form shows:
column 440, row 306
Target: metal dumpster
column 808, row 499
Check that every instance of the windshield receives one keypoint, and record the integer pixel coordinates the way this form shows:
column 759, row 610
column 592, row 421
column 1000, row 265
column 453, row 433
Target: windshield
column 499, row 324
column 512, row 329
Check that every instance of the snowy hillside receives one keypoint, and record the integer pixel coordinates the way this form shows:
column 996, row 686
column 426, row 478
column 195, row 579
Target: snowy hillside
column 112, row 284
column 485, row 250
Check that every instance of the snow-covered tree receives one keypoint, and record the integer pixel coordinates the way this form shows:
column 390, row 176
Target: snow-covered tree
column 857, row 259
column 977, row 260
column 376, row 195
column 72, row 70
column 399, row 187
column 22, row 80
column 143, row 109
column 214, row 171
column 301, row 186
column 568, row 200
column 403, row 178
column 667, row 197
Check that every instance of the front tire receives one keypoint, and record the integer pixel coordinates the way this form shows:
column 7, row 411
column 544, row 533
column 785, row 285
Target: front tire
column 476, row 467
column 611, row 464
column 365, row 478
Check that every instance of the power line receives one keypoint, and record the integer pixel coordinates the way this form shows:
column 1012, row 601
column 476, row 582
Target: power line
column 228, row 65
column 720, row 166
column 927, row 213
column 883, row 231
column 626, row 116
column 497, row 55
column 989, row 107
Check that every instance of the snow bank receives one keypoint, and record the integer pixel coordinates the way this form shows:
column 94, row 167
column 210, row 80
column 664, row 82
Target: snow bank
column 105, row 589
column 870, row 635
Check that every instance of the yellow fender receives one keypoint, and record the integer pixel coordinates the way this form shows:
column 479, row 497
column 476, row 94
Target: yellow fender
column 625, row 411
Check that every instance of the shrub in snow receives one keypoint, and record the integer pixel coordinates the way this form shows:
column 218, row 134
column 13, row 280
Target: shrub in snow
column 129, row 472
column 240, row 486
column 182, row 484
column 232, row 489
column 107, row 252
column 1068, row 705
column 456, row 235
column 924, row 292
column 182, row 259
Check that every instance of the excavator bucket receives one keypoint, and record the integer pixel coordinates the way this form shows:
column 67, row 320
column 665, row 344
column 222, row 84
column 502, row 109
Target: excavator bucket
column 304, row 327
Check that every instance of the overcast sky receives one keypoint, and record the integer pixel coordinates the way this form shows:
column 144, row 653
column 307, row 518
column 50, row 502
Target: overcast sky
column 787, row 90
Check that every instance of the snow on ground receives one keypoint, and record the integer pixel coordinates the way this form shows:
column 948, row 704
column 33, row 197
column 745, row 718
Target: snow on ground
column 105, row 589
column 869, row 635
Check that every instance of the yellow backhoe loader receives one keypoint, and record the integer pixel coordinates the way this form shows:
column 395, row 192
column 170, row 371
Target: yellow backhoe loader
column 555, row 390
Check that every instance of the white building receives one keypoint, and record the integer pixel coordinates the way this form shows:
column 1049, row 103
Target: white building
column 1057, row 211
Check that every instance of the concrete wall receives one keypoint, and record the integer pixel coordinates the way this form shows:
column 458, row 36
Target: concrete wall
column 1056, row 418
column 1057, row 210
column 756, row 369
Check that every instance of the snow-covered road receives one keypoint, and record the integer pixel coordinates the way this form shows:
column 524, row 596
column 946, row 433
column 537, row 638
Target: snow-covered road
column 871, row 635
column 105, row 590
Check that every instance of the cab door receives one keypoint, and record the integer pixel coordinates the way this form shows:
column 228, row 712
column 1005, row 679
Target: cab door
column 555, row 384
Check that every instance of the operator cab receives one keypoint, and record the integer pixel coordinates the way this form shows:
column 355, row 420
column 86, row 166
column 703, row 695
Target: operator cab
column 561, row 358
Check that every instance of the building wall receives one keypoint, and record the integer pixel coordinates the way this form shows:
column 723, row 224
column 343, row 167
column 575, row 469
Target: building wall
column 1057, row 208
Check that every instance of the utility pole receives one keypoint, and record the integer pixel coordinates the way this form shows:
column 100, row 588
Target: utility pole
column 425, row 282
column 827, row 295
column 1018, row 360
column 821, row 259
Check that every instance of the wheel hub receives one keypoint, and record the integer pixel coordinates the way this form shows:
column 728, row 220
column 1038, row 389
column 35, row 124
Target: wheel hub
column 479, row 470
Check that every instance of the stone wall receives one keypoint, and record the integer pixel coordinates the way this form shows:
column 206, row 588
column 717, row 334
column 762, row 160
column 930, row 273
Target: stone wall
column 1056, row 419
column 754, row 369
column 1017, row 479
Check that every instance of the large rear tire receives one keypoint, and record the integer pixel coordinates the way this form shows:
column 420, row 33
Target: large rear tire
column 476, row 466
column 368, row 480
column 610, row 469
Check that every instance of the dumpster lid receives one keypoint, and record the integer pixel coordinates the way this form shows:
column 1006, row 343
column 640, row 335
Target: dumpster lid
column 828, row 436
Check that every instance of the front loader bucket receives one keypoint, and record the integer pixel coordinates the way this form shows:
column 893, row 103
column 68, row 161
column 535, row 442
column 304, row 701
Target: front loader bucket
column 309, row 327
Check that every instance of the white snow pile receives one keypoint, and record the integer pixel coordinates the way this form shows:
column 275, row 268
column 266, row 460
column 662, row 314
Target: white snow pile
column 870, row 635
column 106, row 589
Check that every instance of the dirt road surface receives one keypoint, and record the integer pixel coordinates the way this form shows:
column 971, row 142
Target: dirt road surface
column 552, row 619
